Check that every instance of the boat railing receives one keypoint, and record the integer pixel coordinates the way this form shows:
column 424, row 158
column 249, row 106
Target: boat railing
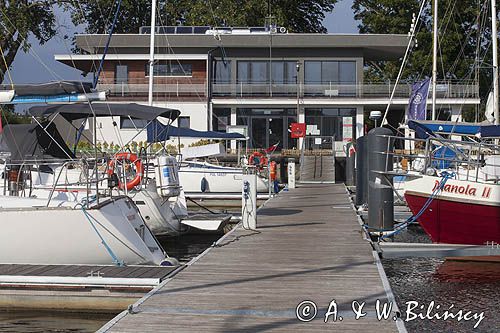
column 427, row 156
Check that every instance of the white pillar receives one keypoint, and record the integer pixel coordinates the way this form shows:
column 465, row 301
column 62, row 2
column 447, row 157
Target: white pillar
column 360, row 121
column 302, row 119
column 456, row 116
column 408, row 134
column 233, row 122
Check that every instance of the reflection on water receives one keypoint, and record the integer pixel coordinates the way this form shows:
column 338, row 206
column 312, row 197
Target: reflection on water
column 186, row 247
column 468, row 285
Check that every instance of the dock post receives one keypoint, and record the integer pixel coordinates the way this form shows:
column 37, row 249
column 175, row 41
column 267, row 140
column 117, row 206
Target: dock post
column 380, row 195
column 291, row 173
column 361, row 171
column 350, row 161
column 249, row 201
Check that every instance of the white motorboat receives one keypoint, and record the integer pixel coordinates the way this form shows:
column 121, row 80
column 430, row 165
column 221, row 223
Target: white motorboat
column 204, row 177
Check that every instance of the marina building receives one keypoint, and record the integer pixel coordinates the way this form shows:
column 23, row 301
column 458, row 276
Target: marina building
column 264, row 79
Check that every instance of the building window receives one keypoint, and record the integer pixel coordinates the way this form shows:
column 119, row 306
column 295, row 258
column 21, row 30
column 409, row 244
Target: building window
column 330, row 72
column 184, row 122
column 171, row 68
column 222, row 71
column 130, row 123
column 282, row 72
column 221, row 119
column 253, row 71
column 121, row 74
column 329, row 121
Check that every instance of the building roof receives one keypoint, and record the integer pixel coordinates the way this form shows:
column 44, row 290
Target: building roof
column 371, row 46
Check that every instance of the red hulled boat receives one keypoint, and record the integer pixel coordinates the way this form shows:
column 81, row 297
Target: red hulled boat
column 463, row 212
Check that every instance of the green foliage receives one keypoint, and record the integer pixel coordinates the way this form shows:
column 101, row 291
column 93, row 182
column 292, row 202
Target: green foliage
column 295, row 15
column 458, row 37
column 11, row 117
column 202, row 142
column 20, row 19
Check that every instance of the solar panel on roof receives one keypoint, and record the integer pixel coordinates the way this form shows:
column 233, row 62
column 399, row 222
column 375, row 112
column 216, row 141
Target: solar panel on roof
column 200, row 30
column 184, row 30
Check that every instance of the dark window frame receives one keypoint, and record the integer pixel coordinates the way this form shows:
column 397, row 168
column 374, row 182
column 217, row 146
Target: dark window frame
column 186, row 69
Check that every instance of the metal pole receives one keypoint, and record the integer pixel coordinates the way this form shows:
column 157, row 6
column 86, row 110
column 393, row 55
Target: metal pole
column 494, row 36
column 152, row 52
column 434, row 59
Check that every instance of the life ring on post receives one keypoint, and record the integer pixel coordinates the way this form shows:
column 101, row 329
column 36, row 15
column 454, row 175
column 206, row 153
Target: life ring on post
column 272, row 170
column 139, row 169
column 257, row 159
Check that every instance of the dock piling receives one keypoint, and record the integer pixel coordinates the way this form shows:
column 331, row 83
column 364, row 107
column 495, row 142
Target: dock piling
column 361, row 171
column 380, row 196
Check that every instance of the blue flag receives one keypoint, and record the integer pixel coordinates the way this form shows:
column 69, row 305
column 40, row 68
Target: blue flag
column 417, row 107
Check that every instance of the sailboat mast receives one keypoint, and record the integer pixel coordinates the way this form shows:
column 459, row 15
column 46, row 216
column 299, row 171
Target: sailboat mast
column 494, row 36
column 152, row 52
column 434, row 59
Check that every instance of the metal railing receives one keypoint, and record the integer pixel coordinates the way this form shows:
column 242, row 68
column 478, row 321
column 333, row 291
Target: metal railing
column 447, row 89
column 186, row 87
column 427, row 156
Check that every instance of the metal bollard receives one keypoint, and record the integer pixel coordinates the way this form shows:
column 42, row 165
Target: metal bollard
column 350, row 162
column 361, row 171
column 291, row 173
column 380, row 194
column 249, row 201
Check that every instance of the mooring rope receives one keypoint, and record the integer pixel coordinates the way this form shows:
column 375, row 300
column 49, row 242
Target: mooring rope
column 89, row 217
column 445, row 176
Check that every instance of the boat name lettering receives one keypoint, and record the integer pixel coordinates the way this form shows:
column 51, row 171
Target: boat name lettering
column 461, row 189
column 219, row 174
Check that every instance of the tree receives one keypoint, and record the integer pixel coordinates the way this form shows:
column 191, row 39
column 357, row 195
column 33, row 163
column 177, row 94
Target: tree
column 295, row 15
column 463, row 37
column 18, row 20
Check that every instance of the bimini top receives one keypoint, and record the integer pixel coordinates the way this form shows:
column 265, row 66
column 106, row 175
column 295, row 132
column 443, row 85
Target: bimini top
column 450, row 127
column 30, row 142
column 82, row 110
column 50, row 88
column 157, row 132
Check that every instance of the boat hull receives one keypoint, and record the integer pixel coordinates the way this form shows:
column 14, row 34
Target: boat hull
column 218, row 180
column 463, row 213
column 65, row 233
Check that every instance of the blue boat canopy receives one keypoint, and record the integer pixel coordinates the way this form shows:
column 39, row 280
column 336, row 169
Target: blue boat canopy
column 426, row 128
column 158, row 132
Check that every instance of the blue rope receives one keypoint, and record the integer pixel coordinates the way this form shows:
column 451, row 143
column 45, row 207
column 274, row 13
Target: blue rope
column 446, row 175
column 101, row 63
column 89, row 217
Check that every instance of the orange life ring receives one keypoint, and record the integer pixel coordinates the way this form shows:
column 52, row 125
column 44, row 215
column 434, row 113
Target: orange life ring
column 272, row 170
column 139, row 169
column 261, row 160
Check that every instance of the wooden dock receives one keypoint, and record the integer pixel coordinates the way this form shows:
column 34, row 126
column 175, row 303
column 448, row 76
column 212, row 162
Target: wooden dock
column 76, row 287
column 309, row 246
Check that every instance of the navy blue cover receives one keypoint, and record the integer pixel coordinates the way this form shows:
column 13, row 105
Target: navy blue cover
column 157, row 132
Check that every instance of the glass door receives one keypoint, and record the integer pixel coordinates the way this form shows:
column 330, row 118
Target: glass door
column 275, row 132
column 259, row 130
column 267, row 131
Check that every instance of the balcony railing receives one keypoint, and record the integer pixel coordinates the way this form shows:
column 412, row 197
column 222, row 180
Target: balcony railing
column 330, row 90
column 183, row 87
column 198, row 88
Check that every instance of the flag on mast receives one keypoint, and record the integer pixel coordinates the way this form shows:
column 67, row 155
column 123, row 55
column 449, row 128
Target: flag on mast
column 271, row 149
column 417, row 107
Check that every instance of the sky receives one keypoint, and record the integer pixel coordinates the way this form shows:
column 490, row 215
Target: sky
column 38, row 65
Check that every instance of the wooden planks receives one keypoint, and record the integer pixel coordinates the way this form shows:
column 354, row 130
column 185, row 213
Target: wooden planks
column 308, row 247
column 86, row 270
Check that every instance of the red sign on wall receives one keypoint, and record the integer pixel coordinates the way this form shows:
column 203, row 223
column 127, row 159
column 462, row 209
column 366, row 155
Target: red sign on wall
column 298, row 130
